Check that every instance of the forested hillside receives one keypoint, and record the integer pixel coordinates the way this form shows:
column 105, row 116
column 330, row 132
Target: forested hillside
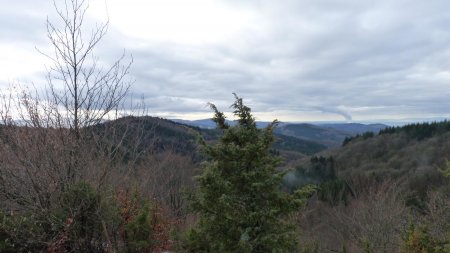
column 76, row 175
column 393, row 178
column 162, row 134
column 328, row 134
column 355, row 128
column 395, row 170
column 331, row 135
column 374, row 187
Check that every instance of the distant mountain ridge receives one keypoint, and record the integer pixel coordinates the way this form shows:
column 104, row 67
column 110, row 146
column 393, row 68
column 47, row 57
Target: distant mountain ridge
column 179, row 137
column 202, row 123
column 354, row 128
column 328, row 134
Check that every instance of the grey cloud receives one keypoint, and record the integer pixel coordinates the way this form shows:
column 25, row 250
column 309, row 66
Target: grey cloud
column 24, row 21
column 388, row 57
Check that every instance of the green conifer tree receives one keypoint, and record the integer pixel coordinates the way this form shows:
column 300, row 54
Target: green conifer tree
column 240, row 205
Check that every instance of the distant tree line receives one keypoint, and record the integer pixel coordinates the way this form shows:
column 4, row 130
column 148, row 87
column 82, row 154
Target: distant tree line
column 418, row 131
column 363, row 136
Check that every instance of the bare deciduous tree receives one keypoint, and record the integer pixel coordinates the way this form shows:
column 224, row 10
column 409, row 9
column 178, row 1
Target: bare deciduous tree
column 54, row 140
column 51, row 139
column 375, row 218
column 81, row 91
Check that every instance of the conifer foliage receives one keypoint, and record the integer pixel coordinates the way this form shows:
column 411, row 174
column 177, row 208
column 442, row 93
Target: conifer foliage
column 240, row 205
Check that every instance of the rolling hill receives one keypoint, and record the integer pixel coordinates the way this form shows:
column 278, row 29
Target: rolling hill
column 328, row 134
column 163, row 134
column 412, row 151
column 354, row 128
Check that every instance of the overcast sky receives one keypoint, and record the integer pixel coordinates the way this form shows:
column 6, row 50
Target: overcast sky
column 295, row 60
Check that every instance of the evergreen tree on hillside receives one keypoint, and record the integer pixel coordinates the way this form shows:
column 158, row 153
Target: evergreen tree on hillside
column 239, row 202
